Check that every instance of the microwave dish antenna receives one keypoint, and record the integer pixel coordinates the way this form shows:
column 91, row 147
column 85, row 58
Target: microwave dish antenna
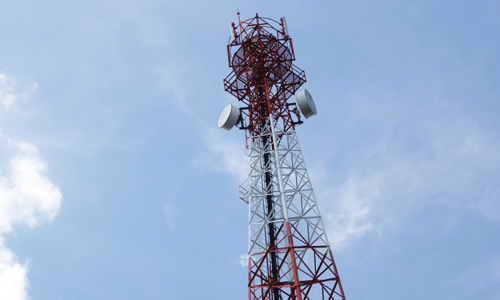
column 228, row 117
column 305, row 103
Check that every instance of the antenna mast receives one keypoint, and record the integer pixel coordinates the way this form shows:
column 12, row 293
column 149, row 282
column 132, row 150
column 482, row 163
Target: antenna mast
column 289, row 253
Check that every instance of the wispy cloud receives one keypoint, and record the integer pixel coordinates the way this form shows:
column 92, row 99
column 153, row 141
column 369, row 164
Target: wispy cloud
column 226, row 154
column 170, row 212
column 243, row 261
column 27, row 197
column 9, row 95
column 386, row 188
column 347, row 207
column 470, row 282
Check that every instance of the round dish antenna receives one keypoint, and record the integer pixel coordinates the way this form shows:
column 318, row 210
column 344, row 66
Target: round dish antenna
column 228, row 117
column 305, row 103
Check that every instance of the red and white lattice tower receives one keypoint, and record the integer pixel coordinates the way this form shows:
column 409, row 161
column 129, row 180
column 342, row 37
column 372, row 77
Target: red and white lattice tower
column 289, row 253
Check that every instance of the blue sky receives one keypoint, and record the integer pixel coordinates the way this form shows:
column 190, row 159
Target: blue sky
column 116, row 184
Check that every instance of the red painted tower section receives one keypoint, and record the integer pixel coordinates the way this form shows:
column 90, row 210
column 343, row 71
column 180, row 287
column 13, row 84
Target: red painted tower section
column 294, row 260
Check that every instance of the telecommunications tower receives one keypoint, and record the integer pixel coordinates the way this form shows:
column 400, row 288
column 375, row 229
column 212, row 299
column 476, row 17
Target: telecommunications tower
column 289, row 253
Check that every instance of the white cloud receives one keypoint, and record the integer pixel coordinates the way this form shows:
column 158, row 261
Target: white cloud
column 13, row 276
column 394, row 187
column 243, row 261
column 7, row 97
column 226, row 154
column 27, row 197
column 347, row 208
column 170, row 212
column 170, row 205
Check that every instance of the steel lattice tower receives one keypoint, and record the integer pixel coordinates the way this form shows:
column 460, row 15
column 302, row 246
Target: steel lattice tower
column 289, row 253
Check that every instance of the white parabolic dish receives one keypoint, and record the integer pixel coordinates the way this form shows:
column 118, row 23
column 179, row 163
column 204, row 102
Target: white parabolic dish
column 228, row 117
column 305, row 103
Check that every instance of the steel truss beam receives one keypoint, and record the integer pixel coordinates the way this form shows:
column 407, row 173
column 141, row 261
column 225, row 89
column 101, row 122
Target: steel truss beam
column 306, row 268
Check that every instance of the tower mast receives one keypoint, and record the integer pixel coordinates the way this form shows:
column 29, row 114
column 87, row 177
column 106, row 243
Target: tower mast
column 289, row 253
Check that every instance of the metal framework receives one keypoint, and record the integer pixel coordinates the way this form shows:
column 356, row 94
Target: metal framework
column 289, row 253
